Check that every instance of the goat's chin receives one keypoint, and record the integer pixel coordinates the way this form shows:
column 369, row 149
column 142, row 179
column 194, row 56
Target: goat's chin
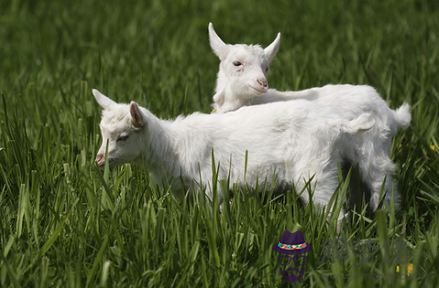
column 257, row 91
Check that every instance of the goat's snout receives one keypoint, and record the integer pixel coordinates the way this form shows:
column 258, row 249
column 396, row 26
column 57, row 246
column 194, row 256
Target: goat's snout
column 99, row 157
column 263, row 83
column 260, row 85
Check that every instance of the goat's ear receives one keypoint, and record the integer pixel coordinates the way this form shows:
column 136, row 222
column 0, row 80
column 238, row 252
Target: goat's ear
column 103, row 100
column 272, row 49
column 137, row 117
column 218, row 46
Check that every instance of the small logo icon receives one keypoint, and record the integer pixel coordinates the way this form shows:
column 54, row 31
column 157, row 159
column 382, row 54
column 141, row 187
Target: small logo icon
column 293, row 247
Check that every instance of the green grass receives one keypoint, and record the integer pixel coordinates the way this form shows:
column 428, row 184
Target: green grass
column 64, row 223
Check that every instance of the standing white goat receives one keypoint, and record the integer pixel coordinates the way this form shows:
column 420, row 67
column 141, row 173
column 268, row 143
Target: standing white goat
column 297, row 141
column 241, row 81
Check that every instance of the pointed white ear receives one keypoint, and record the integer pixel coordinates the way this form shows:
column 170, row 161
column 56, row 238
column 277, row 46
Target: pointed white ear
column 138, row 119
column 219, row 47
column 272, row 49
column 103, row 100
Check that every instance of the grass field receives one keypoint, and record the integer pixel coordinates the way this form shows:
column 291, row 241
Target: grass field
column 64, row 223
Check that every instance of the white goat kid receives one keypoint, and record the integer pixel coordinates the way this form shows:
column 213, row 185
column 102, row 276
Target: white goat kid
column 297, row 140
column 236, row 87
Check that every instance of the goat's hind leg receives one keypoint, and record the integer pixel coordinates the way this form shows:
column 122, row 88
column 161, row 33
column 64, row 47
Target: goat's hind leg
column 323, row 190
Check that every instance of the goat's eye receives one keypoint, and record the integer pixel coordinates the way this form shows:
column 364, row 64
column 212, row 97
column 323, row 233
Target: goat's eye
column 237, row 63
column 122, row 138
column 266, row 70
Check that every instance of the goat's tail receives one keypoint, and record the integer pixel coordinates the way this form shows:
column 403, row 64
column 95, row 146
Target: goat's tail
column 363, row 123
column 402, row 116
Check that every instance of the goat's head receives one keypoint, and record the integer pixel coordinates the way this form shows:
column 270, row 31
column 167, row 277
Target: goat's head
column 243, row 68
column 121, row 125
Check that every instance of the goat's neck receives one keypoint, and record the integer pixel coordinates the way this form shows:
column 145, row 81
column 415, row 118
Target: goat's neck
column 234, row 102
column 156, row 146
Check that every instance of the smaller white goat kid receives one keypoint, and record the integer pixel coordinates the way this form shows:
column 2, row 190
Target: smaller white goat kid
column 243, row 67
column 297, row 140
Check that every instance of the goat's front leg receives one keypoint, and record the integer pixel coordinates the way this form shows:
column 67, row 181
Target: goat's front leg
column 274, row 95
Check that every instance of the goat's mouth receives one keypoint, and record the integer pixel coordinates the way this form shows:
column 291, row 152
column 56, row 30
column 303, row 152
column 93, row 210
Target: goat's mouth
column 260, row 90
column 102, row 163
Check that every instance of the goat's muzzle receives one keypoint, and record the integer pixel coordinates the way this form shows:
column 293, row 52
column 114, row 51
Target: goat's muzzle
column 99, row 157
column 263, row 83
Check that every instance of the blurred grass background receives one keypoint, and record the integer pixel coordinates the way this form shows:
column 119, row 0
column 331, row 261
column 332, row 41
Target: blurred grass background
column 66, row 224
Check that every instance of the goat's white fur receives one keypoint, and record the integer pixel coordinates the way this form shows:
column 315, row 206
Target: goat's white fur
column 370, row 150
column 296, row 140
